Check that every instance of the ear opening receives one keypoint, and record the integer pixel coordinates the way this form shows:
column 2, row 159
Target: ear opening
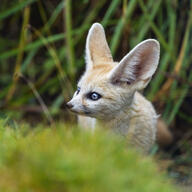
column 138, row 65
column 97, row 49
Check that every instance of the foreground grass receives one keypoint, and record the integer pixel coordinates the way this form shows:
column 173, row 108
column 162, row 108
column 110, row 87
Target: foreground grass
column 68, row 159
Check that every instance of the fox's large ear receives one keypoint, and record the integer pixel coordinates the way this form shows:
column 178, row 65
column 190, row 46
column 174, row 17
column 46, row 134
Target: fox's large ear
column 138, row 65
column 97, row 49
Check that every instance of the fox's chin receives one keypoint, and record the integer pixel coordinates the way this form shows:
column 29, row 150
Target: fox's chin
column 86, row 113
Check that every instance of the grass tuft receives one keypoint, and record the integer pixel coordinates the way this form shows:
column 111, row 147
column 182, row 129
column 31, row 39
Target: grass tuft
column 69, row 159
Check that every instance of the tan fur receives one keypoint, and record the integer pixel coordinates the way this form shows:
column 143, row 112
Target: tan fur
column 120, row 106
column 103, row 53
column 99, row 71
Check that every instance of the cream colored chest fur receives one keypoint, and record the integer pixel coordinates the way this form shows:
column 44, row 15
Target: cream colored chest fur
column 137, row 122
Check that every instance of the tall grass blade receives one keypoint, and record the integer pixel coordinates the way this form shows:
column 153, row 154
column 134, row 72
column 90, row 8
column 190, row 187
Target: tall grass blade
column 20, row 55
column 110, row 12
column 121, row 23
column 69, row 40
column 36, row 44
column 17, row 7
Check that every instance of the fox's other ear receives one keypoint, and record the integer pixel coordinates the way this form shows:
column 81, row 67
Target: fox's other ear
column 97, row 49
column 138, row 65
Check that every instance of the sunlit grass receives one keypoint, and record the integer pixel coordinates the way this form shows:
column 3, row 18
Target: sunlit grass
column 66, row 158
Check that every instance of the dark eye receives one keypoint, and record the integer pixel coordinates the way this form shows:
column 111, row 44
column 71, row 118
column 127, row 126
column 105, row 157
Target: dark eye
column 94, row 96
column 78, row 90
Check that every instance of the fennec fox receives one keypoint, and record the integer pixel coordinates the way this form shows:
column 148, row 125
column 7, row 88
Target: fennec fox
column 107, row 93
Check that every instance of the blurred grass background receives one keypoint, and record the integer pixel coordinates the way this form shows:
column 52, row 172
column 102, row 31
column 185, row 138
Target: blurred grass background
column 42, row 56
column 42, row 51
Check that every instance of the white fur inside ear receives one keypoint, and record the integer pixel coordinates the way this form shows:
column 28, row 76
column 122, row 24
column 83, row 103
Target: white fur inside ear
column 87, row 48
column 97, row 49
column 139, row 64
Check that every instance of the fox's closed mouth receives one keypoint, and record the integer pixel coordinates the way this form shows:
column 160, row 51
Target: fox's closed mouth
column 87, row 112
column 81, row 112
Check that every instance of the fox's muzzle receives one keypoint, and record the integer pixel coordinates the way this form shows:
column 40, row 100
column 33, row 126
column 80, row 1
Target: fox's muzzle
column 69, row 105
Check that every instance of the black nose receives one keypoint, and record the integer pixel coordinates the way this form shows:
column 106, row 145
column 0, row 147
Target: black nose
column 69, row 105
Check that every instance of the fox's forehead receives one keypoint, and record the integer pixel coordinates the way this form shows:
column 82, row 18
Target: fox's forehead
column 97, row 76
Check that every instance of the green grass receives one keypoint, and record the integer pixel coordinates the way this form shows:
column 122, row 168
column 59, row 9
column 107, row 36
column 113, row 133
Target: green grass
column 66, row 158
column 42, row 56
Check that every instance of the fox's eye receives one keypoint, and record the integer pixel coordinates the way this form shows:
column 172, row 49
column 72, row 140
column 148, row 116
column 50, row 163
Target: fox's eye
column 94, row 96
column 78, row 90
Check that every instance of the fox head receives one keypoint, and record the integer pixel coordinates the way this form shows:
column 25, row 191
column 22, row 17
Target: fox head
column 107, row 86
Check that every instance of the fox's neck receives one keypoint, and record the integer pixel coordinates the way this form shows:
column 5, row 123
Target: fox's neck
column 119, row 121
